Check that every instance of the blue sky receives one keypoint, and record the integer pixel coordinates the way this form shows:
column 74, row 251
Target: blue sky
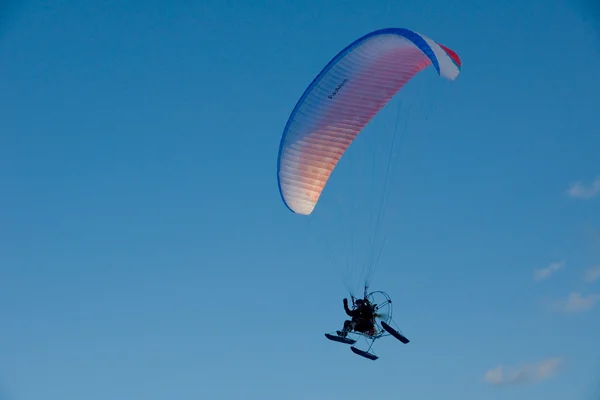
column 145, row 251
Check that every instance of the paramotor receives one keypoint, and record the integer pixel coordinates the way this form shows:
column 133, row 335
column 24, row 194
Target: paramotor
column 380, row 320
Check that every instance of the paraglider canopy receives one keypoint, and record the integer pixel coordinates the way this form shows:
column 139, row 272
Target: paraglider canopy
column 352, row 88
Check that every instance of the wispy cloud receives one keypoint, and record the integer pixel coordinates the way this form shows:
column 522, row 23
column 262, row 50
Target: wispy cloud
column 544, row 273
column 577, row 303
column 592, row 274
column 524, row 374
column 580, row 191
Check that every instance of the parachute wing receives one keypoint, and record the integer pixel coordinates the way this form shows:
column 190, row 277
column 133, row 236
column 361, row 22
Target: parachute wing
column 342, row 99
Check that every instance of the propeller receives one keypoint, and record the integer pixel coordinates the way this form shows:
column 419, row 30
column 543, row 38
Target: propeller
column 381, row 316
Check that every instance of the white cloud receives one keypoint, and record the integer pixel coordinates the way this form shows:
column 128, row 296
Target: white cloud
column 528, row 373
column 580, row 191
column 576, row 302
column 544, row 273
column 592, row 274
